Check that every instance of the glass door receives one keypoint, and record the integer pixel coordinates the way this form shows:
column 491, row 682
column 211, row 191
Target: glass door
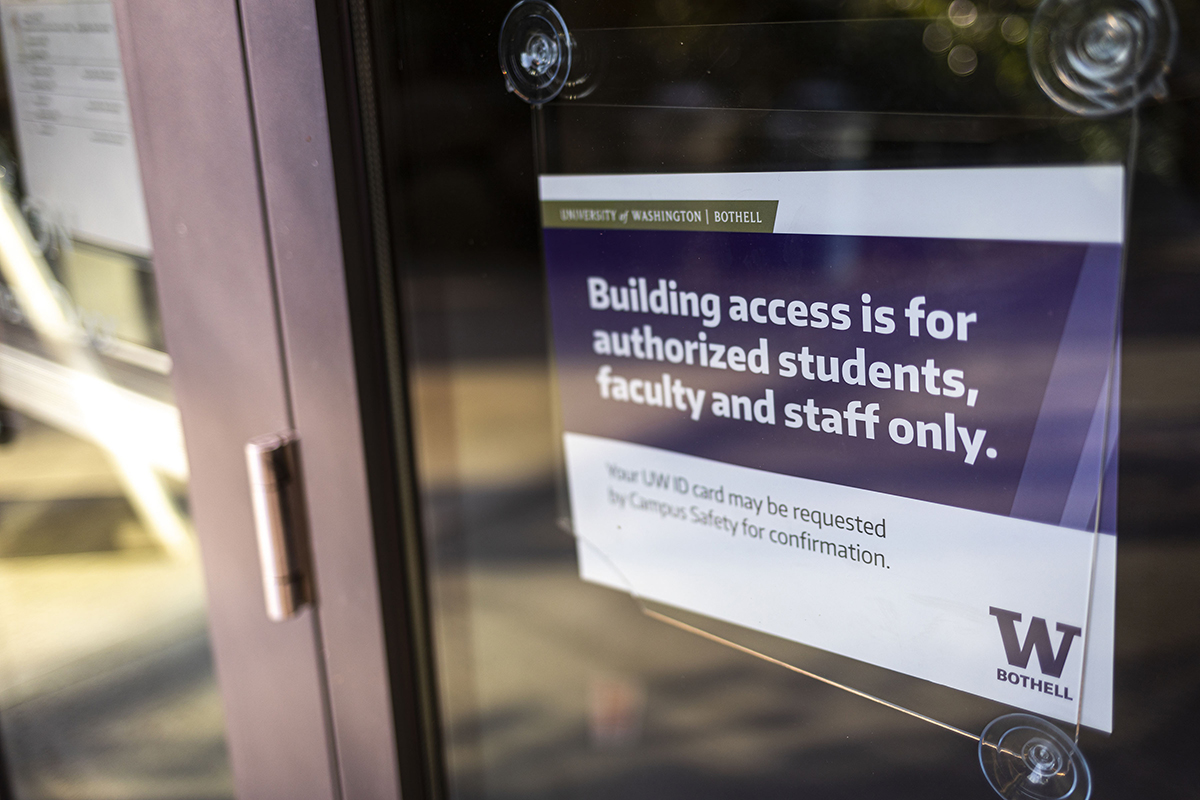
column 581, row 621
column 171, row 271
column 107, row 676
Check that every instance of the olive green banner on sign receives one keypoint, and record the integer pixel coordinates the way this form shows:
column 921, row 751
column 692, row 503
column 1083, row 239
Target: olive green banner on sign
column 746, row 216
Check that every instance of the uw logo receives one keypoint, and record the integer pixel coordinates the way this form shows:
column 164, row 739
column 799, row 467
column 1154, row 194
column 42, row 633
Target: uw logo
column 1037, row 638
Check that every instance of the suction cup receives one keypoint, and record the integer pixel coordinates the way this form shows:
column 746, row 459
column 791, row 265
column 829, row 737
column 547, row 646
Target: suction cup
column 1027, row 758
column 535, row 51
column 1100, row 57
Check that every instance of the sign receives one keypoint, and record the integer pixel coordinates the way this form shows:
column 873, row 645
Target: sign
column 873, row 412
column 71, row 111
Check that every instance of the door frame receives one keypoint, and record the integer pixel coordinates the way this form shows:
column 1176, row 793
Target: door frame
column 257, row 278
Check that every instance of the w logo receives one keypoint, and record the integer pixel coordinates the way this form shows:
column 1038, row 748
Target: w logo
column 1036, row 638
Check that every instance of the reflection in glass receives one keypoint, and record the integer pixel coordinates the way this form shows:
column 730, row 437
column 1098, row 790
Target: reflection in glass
column 552, row 687
column 106, row 684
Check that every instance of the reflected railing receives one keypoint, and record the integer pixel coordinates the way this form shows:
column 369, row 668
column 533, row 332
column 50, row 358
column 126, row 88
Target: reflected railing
column 108, row 415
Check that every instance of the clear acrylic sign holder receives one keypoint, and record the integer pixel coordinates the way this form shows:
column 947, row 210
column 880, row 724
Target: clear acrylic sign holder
column 1056, row 84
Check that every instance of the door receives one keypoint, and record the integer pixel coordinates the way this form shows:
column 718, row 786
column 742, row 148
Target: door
column 578, row 626
column 166, row 170
column 466, row 255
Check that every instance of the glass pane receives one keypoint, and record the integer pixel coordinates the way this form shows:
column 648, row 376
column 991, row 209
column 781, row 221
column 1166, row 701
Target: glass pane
column 106, row 679
column 551, row 685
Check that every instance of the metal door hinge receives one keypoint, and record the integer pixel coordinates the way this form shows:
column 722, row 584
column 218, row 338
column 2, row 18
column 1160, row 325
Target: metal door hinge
column 280, row 522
